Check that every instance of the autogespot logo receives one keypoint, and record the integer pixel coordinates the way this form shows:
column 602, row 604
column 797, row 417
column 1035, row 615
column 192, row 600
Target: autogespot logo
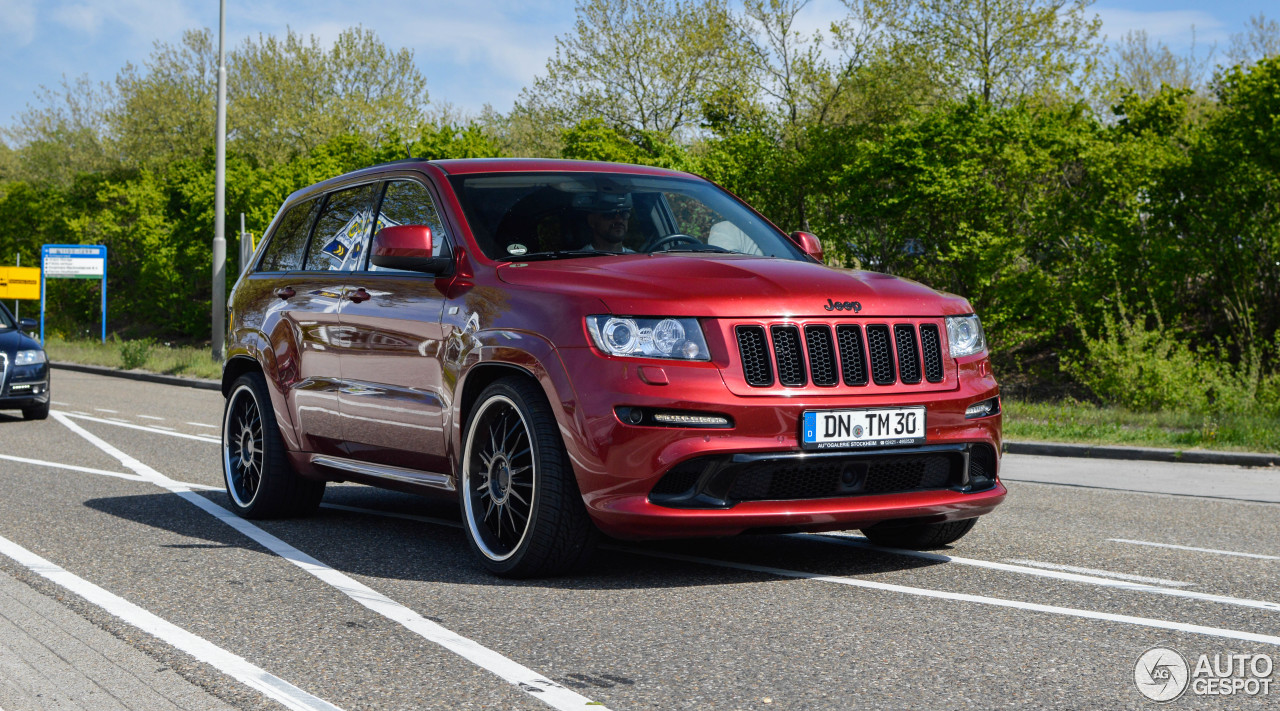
column 1161, row 674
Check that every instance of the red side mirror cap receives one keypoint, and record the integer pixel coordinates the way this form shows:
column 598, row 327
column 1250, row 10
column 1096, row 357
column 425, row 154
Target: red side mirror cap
column 809, row 244
column 405, row 247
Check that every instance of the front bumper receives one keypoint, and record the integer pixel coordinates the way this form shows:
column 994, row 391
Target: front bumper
column 24, row 386
column 618, row 464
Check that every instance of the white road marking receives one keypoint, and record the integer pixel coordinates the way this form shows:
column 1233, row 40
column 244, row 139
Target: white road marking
column 59, row 404
column 1197, row 550
column 72, row 467
column 232, row 665
column 120, row 420
column 130, row 425
column 966, row 597
column 525, row 679
column 201, row 424
column 859, row 542
column 1103, row 573
column 162, row 427
column 103, row 409
column 151, row 417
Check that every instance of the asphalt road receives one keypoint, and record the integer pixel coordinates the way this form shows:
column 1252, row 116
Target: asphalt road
column 123, row 585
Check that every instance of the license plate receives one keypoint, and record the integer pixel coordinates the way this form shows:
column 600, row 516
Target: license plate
column 834, row 429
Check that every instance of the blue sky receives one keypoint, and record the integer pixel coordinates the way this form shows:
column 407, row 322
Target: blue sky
column 472, row 52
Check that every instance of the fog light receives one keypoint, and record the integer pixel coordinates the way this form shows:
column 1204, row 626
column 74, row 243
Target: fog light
column 986, row 408
column 677, row 418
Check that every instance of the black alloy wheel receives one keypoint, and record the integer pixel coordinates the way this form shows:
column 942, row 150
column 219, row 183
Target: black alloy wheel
column 260, row 482
column 520, row 500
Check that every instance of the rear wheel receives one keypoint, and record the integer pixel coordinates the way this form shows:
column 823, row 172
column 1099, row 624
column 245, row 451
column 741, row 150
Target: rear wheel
column 520, row 501
column 260, row 482
column 919, row 536
column 36, row 412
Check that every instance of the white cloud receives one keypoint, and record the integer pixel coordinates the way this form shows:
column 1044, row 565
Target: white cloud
column 19, row 25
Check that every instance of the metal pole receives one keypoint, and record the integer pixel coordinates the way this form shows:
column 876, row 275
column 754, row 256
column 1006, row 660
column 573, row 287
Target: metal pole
column 220, row 197
column 244, row 246
column 17, row 311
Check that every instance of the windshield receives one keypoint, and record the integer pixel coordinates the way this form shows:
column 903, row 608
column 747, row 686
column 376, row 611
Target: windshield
column 6, row 321
column 560, row 215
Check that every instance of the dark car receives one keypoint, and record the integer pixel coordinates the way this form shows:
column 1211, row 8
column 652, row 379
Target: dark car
column 24, row 369
column 575, row 348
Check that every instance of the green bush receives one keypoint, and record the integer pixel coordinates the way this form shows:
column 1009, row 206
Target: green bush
column 134, row 354
column 1136, row 362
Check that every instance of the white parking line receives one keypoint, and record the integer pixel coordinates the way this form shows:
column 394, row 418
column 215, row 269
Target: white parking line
column 151, row 417
column 859, row 542
column 1103, row 573
column 162, row 427
column 72, row 467
column 201, row 424
column 228, row 663
column 1197, row 550
column 103, row 409
column 130, row 425
column 523, row 678
column 966, row 597
column 59, row 404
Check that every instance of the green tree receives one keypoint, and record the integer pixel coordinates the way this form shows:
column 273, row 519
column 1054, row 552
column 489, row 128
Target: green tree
column 1001, row 50
column 640, row 66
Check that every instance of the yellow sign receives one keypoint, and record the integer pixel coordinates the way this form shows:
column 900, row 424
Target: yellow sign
column 20, row 283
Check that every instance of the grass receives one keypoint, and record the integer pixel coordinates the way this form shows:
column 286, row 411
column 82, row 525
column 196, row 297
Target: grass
column 160, row 358
column 1086, row 423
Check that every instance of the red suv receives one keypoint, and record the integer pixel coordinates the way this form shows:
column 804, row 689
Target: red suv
column 576, row 348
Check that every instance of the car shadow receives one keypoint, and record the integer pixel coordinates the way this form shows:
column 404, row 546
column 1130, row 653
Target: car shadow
column 382, row 546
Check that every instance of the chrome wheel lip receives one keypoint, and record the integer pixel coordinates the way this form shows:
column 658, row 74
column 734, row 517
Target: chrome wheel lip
column 233, row 443
column 473, row 527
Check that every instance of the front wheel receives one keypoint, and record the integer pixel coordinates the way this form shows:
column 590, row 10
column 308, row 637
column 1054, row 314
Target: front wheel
column 36, row 412
column 921, row 536
column 260, row 482
column 520, row 501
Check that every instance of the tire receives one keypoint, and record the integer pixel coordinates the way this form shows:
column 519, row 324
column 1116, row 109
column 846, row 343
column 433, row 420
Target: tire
column 36, row 412
column 260, row 482
column 919, row 536
column 520, row 501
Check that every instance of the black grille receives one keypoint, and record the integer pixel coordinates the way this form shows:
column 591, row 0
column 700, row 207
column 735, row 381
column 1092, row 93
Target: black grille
column 931, row 349
column 852, row 357
column 881, row 353
column 825, row 479
column 904, row 336
column 755, row 356
column 786, row 348
column 982, row 467
column 822, row 355
column 678, row 480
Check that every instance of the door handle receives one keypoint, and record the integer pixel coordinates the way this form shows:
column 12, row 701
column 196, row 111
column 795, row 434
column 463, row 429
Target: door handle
column 358, row 295
column 285, row 293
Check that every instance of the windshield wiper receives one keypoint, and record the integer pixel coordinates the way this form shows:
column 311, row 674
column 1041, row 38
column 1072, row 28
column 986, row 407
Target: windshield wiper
column 700, row 248
column 561, row 254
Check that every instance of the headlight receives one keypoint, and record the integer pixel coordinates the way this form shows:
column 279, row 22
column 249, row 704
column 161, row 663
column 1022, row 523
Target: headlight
column 678, row 338
column 29, row 358
column 965, row 335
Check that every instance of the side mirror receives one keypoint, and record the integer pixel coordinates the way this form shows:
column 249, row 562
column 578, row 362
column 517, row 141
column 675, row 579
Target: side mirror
column 406, row 247
column 28, row 324
column 809, row 244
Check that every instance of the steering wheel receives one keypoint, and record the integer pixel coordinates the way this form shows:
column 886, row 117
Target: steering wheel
column 669, row 240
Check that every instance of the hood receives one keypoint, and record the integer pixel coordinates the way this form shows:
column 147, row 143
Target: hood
column 13, row 340
column 731, row 286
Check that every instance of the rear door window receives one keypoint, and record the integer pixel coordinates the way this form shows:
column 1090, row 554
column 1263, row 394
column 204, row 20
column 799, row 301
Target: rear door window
column 343, row 230
column 289, row 241
column 407, row 202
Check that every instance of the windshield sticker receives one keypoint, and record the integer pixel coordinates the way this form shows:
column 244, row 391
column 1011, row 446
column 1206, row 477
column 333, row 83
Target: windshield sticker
column 517, row 249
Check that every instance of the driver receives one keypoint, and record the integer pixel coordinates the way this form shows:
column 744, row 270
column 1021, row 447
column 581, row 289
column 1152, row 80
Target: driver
column 608, row 215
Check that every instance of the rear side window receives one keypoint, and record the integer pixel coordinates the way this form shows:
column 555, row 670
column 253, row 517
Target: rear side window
column 342, row 230
column 407, row 202
column 284, row 252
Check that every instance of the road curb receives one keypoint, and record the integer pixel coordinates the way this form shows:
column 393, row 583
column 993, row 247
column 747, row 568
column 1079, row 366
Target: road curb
column 200, row 383
column 1186, row 456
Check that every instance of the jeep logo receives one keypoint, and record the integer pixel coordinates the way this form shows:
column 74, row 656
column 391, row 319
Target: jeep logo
column 843, row 306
